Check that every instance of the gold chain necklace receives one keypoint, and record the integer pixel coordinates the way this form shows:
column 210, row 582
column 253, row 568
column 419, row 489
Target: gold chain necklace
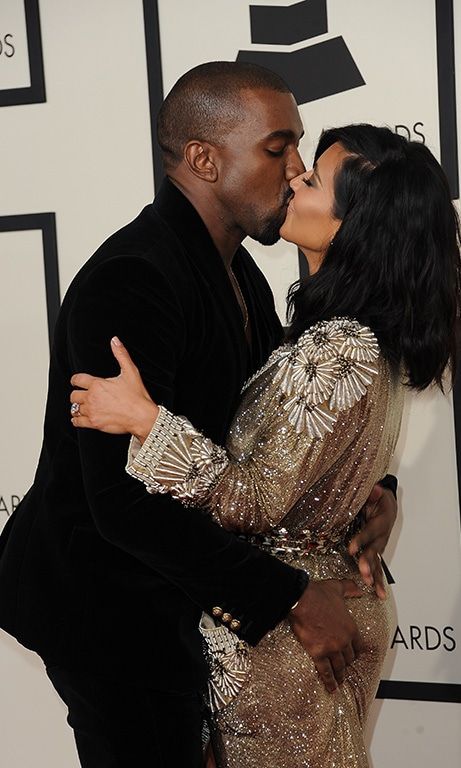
column 242, row 301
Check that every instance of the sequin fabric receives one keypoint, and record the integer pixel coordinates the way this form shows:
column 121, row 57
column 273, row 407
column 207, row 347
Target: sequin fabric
column 315, row 429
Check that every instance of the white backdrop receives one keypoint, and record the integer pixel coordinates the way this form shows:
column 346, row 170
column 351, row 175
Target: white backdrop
column 82, row 150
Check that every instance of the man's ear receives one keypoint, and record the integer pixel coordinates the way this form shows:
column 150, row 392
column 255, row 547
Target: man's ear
column 200, row 158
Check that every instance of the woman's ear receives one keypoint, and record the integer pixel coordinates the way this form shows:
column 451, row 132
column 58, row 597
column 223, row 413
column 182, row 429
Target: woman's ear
column 199, row 157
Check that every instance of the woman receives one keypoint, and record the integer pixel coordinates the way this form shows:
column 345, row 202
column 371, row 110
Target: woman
column 316, row 428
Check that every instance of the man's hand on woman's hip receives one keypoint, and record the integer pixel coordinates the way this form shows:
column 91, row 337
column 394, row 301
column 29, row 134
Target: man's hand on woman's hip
column 325, row 628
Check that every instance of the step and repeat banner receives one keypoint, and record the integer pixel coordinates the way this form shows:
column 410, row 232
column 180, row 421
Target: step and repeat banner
column 80, row 86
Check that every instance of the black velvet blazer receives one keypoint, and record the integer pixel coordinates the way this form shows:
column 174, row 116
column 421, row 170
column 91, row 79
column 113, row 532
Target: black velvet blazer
column 94, row 572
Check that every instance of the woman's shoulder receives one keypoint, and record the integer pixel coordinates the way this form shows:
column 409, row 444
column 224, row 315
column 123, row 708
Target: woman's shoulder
column 328, row 369
column 340, row 336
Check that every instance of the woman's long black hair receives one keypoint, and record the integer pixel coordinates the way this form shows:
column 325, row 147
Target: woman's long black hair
column 394, row 263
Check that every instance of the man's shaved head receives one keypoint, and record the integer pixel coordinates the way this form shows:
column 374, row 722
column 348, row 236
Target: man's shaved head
column 206, row 103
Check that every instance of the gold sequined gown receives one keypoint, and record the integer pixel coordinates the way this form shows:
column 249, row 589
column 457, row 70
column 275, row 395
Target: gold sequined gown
column 315, row 429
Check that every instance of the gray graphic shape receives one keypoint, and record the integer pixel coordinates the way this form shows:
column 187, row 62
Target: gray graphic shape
column 284, row 26
column 312, row 73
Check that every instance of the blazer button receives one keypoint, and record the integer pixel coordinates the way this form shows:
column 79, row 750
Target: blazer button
column 217, row 612
column 235, row 625
column 226, row 617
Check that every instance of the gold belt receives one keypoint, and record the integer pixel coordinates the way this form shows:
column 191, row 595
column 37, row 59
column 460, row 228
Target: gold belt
column 279, row 543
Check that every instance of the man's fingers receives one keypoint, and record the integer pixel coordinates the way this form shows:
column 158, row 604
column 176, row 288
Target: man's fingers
column 375, row 495
column 323, row 624
column 380, row 588
column 338, row 665
column 349, row 654
column 326, row 673
column 379, row 512
column 210, row 761
column 350, row 588
column 368, row 564
column 372, row 564
column 371, row 571
column 355, row 544
column 371, row 536
column 364, row 537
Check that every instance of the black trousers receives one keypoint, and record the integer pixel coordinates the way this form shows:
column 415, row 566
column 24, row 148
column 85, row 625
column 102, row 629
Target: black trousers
column 124, row 726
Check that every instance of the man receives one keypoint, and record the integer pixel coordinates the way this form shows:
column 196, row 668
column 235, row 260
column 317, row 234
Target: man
column 105, row 582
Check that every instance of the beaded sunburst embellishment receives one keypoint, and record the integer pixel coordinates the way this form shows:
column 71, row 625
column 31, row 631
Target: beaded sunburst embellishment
column 326, row 371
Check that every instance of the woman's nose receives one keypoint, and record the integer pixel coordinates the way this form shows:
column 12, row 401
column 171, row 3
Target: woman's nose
column 296, row 181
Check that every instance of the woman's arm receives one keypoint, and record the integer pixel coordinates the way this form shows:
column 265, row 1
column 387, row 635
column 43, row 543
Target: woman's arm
column 252, row 492
column 306, row 420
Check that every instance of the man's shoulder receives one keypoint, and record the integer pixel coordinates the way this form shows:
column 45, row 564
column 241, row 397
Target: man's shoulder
column 144, row 245
column 143, row 238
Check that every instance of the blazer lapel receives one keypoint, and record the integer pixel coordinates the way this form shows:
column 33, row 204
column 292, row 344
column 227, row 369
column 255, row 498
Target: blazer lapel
column 266, row 329
column 188, row 229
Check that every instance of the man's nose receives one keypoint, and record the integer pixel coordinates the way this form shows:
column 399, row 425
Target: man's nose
column 294, row 166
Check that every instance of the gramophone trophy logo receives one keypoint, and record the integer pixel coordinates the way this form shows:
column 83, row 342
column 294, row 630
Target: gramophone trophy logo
column 329, row 63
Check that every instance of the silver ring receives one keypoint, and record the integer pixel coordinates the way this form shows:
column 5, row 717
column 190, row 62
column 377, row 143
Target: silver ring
column 75, row 409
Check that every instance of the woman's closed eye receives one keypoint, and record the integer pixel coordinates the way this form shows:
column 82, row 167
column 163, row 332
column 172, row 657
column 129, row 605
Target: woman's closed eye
column 308, row 182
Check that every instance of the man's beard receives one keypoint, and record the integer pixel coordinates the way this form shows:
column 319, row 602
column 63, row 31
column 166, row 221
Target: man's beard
column 269, row 233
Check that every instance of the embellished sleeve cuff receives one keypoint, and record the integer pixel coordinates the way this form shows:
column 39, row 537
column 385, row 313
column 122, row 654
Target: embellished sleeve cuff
column 177, row 459
column 144, row 459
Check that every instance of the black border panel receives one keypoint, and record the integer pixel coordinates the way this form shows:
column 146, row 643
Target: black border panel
column 447, row 93
column 399, row 689
column 46, row 222
column 35, row 93
column 457, row 412
column 155, row 80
